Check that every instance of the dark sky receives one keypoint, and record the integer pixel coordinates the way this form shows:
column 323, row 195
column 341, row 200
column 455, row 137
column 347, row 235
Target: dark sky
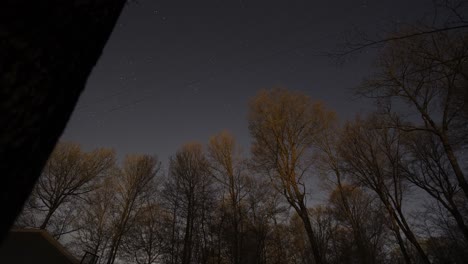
column 179, row 71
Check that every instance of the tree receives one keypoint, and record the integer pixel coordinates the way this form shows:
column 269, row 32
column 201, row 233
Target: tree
column 190, row 181
column 449, row 15
column 94, row 226
column 68, row 175
column 228, row 168
column 421, row 86
column 145, row 241
column 360, row 224
column 329, row 164
column 357, row 235
column 284, row 126
column 429, row 169
column 372, row 154
column 132, row 184
column 171, row 202
column 39, row 58
column 264, row 212
column 427, row 74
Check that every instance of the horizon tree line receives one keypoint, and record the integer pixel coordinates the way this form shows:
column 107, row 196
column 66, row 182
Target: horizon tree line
column 395, row 179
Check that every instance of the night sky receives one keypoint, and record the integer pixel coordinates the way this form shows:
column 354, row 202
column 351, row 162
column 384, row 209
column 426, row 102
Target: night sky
column 180, row 71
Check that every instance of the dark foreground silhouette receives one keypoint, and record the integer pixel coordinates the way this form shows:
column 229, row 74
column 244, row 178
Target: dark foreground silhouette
column 47, row 51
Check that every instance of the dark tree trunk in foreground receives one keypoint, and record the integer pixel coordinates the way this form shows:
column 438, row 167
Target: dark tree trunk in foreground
column 47, row 51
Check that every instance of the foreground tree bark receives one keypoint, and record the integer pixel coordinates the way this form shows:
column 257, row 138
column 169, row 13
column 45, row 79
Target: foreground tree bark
column 46, row 55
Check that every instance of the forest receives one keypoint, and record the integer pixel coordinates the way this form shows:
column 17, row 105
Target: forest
column 386, row 187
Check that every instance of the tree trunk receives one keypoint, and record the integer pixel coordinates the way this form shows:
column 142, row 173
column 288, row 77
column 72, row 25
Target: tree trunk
column 47, row 219
column 412, row 238
column 318, row 255
column 454, row 163
column 187, row 251
column 363, row 251
column 46, row 55
column 459, row 219
column 401, row 243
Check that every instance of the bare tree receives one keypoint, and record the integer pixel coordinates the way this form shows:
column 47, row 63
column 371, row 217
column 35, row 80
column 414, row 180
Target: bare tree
column 171, row 200
column 360, row 225
column 448, row 15
column 264, row 210
column 427, row 75
column 284, row 126
column 132, row 184
column 190, row 181
column 68, row 175
column 94, row 224
column 430, row 170
column 145, row 241
column 229, row 169
column 352, row 208
column 372, row 153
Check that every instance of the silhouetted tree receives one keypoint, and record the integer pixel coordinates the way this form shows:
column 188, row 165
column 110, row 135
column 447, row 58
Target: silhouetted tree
column 191, row 182
column 361, row 226
column 69, row 175
column 372, row 153
column 358, row 235
column 448, row 15
column 430, row 170
column 284, row 126
column 145, row 242
column 265, row 211
column 94, row 225
column 229, row 169
column 426, row 74
column 132, row 184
